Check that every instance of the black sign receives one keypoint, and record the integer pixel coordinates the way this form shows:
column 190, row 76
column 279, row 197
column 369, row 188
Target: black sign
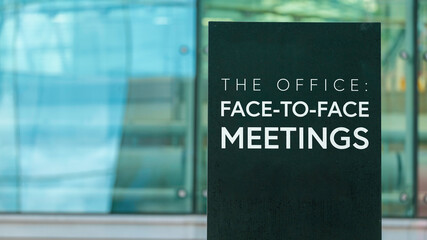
column 294, row 131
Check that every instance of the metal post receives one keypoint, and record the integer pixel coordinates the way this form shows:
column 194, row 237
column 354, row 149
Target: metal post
column 411, row 107
column 197, row 153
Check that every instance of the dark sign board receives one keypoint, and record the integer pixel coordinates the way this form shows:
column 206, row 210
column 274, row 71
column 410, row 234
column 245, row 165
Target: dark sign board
column 294, row 131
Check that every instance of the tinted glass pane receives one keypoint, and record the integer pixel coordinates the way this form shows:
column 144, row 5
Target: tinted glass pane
column 96, row 99
column 397, row 176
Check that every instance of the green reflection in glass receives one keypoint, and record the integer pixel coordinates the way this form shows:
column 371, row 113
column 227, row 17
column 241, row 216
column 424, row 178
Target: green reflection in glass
column 397, row 176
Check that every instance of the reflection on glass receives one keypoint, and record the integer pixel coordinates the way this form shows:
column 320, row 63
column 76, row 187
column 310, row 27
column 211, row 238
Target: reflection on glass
column 97, row 100
column 397, row 174
column 96, row 105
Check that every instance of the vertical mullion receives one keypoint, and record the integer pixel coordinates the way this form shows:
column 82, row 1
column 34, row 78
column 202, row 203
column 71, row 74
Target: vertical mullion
column 411, row 107
column 196, row 112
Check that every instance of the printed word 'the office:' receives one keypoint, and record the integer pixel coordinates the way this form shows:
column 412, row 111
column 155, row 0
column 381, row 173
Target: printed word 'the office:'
column 298, row 84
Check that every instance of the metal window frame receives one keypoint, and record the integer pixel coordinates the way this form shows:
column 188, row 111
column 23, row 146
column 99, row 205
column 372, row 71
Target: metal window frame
column 411, row 98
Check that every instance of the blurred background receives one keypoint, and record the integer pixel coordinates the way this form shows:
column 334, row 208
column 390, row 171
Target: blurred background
column 103, row 112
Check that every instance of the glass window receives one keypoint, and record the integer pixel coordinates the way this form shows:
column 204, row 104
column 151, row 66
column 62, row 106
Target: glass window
column 397, row 175
column 96, row 99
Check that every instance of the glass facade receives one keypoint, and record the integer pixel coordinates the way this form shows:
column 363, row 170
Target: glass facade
column 103, row 104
